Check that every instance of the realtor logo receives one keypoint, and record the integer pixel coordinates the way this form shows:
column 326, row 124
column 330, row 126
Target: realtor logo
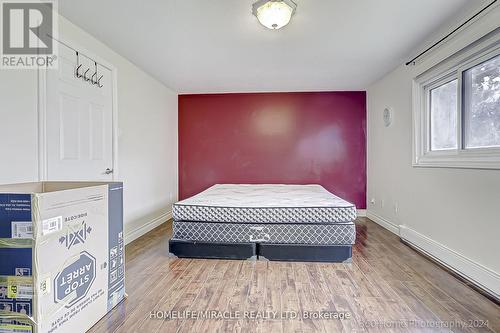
column 28, row 32
column 74, row 237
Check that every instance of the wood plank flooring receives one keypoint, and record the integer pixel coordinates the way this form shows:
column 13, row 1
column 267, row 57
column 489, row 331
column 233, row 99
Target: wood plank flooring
column 388, row 288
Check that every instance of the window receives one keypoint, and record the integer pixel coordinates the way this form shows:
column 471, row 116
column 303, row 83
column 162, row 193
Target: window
column 482, row 104
column 444, row 116
column 456, row 108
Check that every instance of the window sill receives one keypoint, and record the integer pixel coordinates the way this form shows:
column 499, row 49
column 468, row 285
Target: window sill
column 469, row 159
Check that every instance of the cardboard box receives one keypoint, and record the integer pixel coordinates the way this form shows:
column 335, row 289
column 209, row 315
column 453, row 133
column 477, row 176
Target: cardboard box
column 62, row 260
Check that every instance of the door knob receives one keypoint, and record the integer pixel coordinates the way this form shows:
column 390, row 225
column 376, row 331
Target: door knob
column 108, row 171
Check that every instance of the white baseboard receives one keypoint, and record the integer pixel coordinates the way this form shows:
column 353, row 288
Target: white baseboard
column 483, row 277
column 361, row 212
column 148, row 226
column 394, row 228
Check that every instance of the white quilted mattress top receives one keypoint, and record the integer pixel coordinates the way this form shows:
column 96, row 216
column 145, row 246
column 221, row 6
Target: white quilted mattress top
column 266, row 196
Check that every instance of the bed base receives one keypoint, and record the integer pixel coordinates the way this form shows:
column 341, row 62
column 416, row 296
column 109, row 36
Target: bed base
column 305, row 252
column 262, row 251
column 194, row 249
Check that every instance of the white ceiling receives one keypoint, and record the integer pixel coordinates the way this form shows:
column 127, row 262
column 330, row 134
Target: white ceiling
column 196, row 46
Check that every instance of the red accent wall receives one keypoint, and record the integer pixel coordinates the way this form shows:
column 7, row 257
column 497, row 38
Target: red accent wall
column 290, row 138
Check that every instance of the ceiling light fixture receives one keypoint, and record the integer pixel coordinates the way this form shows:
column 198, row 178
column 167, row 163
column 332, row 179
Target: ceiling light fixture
column 274, row 14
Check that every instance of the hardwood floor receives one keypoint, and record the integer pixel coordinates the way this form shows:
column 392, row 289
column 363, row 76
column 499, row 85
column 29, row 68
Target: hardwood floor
column 388, row 288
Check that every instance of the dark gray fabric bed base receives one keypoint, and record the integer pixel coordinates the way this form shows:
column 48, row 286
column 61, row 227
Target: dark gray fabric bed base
column 194, row 249
column 263, row 251
column 295, row 252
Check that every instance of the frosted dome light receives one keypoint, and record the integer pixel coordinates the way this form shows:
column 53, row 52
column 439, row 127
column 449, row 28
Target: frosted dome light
column 274, row 14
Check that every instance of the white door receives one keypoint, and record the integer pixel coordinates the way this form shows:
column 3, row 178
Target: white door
column 78, row 120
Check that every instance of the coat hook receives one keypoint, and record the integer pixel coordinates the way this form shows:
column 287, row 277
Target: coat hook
column 78, row 65
column 85, row 75
column 77, row 73
column 99, row 82
column 92, row 80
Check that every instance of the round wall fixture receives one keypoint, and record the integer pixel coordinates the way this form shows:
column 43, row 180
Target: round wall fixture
column 387, row 117
column 274, row 14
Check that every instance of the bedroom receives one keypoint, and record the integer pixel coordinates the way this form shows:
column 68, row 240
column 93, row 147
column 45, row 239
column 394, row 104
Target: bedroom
column 343, row 163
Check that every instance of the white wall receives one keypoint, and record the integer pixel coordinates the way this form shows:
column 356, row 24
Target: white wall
column 450, row 213
column 147, row 142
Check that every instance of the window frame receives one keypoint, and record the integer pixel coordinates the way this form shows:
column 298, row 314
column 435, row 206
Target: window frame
column 446, row 71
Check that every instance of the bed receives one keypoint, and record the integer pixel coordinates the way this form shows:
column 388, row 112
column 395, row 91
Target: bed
column 274, row 222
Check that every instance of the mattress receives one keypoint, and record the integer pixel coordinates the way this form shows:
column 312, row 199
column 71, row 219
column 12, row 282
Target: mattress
column 281, row 233
column 265, row 203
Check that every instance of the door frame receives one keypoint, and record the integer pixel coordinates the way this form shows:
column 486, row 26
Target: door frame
column 42, row 111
